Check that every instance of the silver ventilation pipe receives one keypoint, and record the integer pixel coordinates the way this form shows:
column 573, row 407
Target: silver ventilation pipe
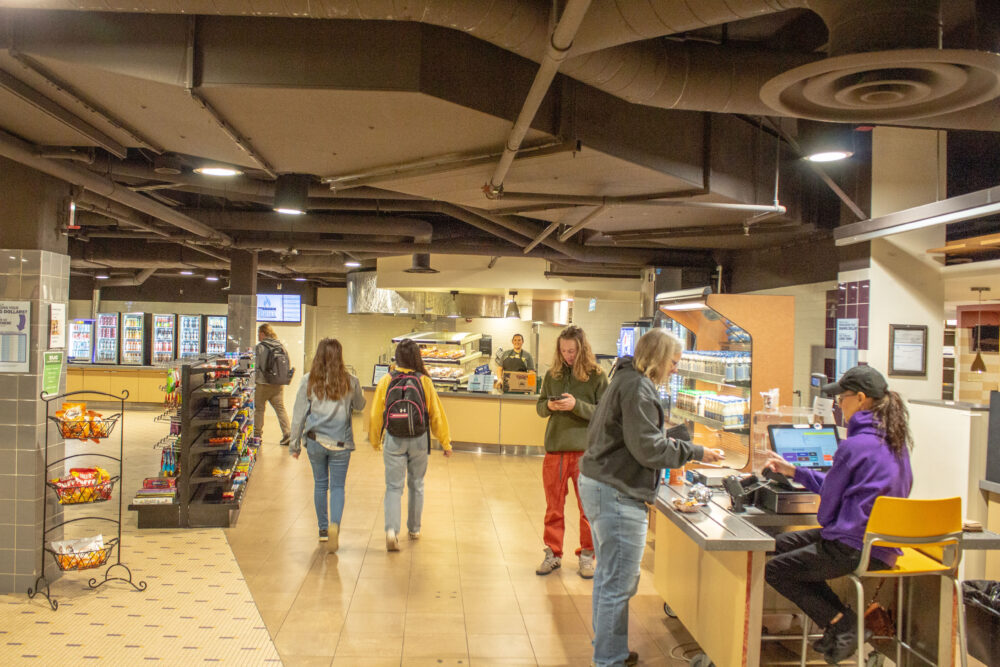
column 136, row 280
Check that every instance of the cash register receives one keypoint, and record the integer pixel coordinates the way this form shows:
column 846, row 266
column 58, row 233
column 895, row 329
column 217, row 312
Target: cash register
column 804, row 446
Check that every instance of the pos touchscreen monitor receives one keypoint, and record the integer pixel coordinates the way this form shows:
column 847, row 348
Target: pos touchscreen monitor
column 805, row 445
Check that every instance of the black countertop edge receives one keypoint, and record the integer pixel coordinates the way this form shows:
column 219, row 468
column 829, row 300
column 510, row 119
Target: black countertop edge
column 953, row 405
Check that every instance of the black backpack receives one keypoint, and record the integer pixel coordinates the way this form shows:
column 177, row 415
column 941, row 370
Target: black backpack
column 405, row 406
column 276, row 368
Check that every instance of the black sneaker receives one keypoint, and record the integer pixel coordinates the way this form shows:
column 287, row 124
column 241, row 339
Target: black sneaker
column 844, row 644
column 632, row 659
column 824, row 643
column 324, row 535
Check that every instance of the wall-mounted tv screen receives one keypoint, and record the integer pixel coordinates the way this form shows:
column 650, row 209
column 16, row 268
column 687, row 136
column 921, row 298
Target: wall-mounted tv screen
column 279, row 308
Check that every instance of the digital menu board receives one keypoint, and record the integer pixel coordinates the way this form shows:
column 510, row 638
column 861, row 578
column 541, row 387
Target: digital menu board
column 279, row 308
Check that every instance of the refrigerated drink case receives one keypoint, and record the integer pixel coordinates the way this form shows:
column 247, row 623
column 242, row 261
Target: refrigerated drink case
column 106, row 339
column 163, row 338
column 215, row 334
column 188, row 336
column 81, row 341
column 133, row 339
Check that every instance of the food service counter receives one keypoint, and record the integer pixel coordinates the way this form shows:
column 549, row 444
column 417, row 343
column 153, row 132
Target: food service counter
column 144, row 383
column 708, row 566
column 491, row 420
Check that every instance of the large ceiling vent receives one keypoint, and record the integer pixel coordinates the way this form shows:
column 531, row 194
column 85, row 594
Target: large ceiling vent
column 885, row 65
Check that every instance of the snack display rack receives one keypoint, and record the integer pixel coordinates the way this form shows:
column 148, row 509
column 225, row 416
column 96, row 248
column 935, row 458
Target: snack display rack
column 99, row 491
column 213, row 448
column 450, row 357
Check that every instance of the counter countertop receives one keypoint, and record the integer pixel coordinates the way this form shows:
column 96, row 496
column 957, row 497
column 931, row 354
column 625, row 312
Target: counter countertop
column 475, row 394
column 119, row 367
column 952, row 405
column 715, row 528
column 992, row 487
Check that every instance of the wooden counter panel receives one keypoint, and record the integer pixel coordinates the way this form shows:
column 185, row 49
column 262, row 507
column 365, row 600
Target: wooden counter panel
column 150, row 386
column 74, row 379
column 520, row 424
column 96, row 381
column 475, row 420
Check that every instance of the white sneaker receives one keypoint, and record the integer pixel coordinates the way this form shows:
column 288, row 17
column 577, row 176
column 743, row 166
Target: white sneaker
column 415, row 536
column 391, row 541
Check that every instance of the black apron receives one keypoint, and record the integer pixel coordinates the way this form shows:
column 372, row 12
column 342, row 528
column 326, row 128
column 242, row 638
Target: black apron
column 514, row 362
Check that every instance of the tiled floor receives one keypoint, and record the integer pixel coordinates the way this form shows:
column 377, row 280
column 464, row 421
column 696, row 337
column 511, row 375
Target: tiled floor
column 465, row 593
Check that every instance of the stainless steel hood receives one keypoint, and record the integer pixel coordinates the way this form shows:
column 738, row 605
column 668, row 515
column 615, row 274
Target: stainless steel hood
column 364, row 297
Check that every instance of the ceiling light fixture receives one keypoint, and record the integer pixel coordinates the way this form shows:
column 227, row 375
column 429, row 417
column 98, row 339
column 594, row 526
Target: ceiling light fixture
column 453, row 306
column 102, row 276
column 186, row 272
column 513, row 312
column 825, row 142
column 168, row 165
column 217, row 170
column 299, row 279
column 351, row 264
column 978, row 365
column 291, row 194
column 212, row 277
column 421, row 264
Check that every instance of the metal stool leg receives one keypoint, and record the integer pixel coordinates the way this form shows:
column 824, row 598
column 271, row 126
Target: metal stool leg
column 899, row 620
column 859, row 590
column 805, row 621
column 962, row 651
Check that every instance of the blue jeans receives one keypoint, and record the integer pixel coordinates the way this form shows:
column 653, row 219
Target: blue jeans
column 618, row 525
column 329, row 472
column 405, row 458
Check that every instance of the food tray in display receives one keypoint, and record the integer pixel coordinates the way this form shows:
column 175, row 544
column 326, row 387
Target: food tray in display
column 87, row 493
column 440, row 338
column 460, row 361
column 86, row 429
column 84, row 560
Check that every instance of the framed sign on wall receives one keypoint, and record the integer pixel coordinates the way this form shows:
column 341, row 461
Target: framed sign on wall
column 908, row 350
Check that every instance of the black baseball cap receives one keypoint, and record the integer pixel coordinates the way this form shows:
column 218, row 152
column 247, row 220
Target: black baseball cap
column 859, row 378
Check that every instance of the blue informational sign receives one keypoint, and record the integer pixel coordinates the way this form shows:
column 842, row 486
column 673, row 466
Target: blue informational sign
column 847, row 345
column 279, row 308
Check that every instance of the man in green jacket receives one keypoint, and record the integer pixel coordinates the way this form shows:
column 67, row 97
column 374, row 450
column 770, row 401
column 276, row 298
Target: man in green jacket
column 569, row 394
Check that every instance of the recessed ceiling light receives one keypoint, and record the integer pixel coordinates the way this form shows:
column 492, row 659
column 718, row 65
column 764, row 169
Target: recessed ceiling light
column 300, row 279
column 102, row 276
column 212, row 277
column 187, row 273
column 289, row 211
column 217, row 170
column 352, row 264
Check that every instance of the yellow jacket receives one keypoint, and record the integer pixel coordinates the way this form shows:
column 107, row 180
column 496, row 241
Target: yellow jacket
column 435, row 413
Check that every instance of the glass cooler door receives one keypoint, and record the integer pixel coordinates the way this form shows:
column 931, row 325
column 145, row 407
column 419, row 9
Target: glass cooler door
column 132, row 352
column 188, row 336
column 81, row 341
column 106, row 345
column 215, row 334
column 164, row 338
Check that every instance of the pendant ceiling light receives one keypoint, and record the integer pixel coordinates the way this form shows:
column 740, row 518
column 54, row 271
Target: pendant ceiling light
column 513, row 312
column 978, row 366
column 291, row 194
column 825, row 142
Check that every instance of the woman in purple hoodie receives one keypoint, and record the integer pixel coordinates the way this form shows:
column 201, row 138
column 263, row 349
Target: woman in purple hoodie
column 873, row 461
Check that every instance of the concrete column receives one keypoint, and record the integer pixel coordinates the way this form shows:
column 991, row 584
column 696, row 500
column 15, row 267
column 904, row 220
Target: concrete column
column 34, row 267
column 242, row 321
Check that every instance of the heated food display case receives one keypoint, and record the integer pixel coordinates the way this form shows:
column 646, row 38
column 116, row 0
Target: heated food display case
column 450, row 357
column 214, row 334
column 188, row 336
column 106, row 338
column 133, row 339
column 81, row 341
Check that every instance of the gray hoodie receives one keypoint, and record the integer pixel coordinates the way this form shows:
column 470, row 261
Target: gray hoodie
column 330, row 420
column 626, row 446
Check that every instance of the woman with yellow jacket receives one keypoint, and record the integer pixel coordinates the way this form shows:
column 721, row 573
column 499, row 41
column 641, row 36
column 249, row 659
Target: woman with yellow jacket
column 405, row 411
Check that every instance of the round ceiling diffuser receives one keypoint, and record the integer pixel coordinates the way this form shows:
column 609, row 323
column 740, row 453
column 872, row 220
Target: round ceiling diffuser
column 886, row 86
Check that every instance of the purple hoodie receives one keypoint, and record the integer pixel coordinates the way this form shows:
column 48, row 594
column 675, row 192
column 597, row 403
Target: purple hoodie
column 863, row 469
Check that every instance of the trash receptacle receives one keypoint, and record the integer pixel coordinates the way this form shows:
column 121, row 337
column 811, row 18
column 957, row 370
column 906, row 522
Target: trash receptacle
column 982, row 620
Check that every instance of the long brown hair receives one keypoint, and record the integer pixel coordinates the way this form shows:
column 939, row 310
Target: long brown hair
column 585, row 363
column 328, row 377
column 266, row 331
column 893, row 418
column 408, row 356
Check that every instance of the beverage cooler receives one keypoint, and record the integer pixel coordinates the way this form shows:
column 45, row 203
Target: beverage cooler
column 133, row 352
column 162, row 336
column 188, row 336
column 106, row 338
column 81, row 341
column 215, row 334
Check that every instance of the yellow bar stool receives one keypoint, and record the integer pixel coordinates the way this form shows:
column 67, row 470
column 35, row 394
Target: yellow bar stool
column 920, row 528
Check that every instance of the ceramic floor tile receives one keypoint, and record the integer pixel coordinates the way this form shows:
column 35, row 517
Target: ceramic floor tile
column 500, row 646
column 427, row 645
column 494, row 624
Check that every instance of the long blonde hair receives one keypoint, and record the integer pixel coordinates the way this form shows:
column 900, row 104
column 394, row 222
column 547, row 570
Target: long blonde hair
column 328, row 377
column 585, row 363
column 654, row 351
column 266, row 331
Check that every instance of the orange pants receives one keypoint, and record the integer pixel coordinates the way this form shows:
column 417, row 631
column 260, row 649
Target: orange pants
column 558, row 470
